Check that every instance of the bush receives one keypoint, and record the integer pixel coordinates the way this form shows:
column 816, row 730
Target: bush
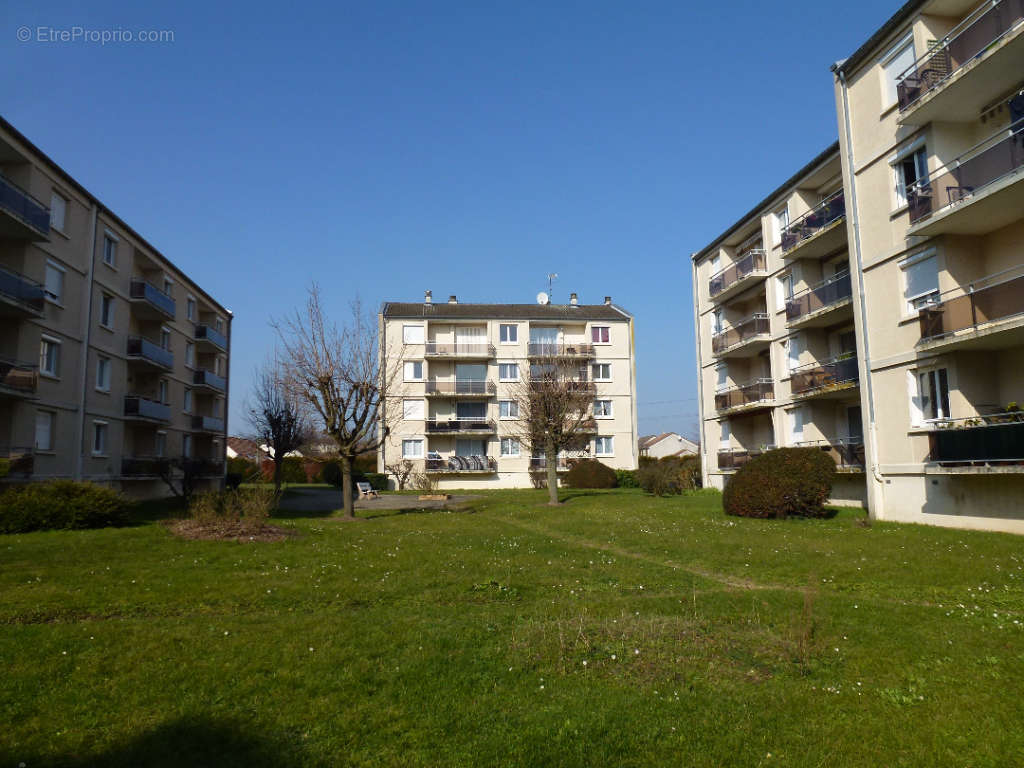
column 670, row 475
column 240, row 466
column 626, row 478
column 788, row 482
column 590, row 473
column 232, row 481
column 60, row 504
column 293, row 470
column 248, row 507
column 377, row 480
column 330, row 473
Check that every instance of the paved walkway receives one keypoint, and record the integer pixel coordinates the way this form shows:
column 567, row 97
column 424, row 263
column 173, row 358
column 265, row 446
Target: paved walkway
column 329, row 499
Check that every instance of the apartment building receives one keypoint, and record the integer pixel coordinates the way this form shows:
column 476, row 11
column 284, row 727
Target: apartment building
column 454, row 411
column 113, row 362
column 930, row 112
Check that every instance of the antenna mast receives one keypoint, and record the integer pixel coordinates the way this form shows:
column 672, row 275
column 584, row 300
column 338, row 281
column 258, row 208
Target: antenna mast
column 552, row 276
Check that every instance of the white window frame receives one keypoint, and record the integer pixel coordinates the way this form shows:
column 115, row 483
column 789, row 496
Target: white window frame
column 611, row 408
column 721, row 377
column 909, row 308
column 103, row 364
column 608, row 333
column 780, row 220
column 190, row 354
column 889, row 100
column 785, row 285
column 110, row 237
column 509, row 447
column 409, row 370
column 796, row 417
column 186, row 401
column 597, row 366
column 51, row 417
column 919, row 417
column 165, row 335
column 502, row 377
column 186, row 446
column 54, row 298
column 100, row 438
column 107, row 305
column 794, row 346
column 508, row 333
column 724, row 434
column 598, row 441
column 899, row 199
column 190, row 307
column 513, row 410
column 160, row 444
column 410, row 441
column 419, row 327
column 420, row 407
column 63, row 207
column 56, row 344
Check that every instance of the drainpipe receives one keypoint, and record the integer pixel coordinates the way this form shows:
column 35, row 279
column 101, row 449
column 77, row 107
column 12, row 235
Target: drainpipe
column 227, row 403
column 862, row 303
column 83, row 358
column 700, row 378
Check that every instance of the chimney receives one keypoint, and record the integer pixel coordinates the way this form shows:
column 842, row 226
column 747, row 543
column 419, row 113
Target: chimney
column 573, row 299
column 427, row 297
column 452, row 299
column 608, row 300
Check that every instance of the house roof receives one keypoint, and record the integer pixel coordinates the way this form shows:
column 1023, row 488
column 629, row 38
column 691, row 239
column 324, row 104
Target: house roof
column 895, row 22
column 243, row 446
column 647, row 441
column 443, row 309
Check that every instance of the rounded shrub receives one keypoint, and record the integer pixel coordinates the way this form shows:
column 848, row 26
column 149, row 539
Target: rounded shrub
column 787, row 482
column 60, row 504
column 590, row 473
column 670, row 475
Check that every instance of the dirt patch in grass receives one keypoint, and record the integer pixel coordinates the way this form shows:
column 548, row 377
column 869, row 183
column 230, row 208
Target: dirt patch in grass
column 200, row 530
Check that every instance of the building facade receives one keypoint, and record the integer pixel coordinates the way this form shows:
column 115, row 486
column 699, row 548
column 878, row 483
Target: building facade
column 931, row 151
column 666, row 444
column 113, row 362
column 453, row 410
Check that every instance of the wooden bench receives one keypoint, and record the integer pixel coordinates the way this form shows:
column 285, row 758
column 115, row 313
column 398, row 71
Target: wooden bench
column 366, row 491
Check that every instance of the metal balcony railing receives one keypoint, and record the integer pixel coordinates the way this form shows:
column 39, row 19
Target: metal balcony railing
column 138, row 407
column 546, row 349
column 824, row 294
column 23, row 206
column 757, row 324
column 752, row 262
column 757, row 391
column 20, row 461
column 18, row 376
column 438, row 349
column 140, row 290
column 209, row 334
column 730, row 459
column 992, row 159
column 986, row 300
column 144, row 349
column 816, row 377
column 847, row 452
column 983, row 27
column 824, row 214
column 461, row 387
column 996, row 438
column 145, row 466
column 440, row 426
column 208, row 423
column 541, row 462
column 204, row 378
column 459, row 464
column 21, row 290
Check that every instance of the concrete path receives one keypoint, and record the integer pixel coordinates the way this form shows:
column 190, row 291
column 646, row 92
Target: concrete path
column 329, row 499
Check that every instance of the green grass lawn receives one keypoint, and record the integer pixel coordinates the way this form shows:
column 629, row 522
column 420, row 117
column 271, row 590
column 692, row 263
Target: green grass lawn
column 617, row 630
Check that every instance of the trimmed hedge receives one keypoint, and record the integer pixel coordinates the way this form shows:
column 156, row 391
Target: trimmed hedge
column 590, row 473
column 670, row 475
column 60, row 504
column 243, row 467
column 787, row 482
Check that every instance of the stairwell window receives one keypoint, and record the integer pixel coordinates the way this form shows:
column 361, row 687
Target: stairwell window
column 603, row 409
column 604, row 446
column 44, row 430
column 110, row 250
column 509, row 446
column 413, row 370
column 413, row 410
column 932, row 400
column 54, row 286
column 508, row 333
column 107, row 311
column 781, row 220
column 49, row 357
column 190, row 308
column 412, row 449
column 508, row 409
column 784, row 291
column 910, row 169
column 58, row 211
column 99, row 438
column 412, row 334
column 602, row 371
column 793, row 348
column 508, row 372
column 103, row 374
column 600, row 334
column 920, row 281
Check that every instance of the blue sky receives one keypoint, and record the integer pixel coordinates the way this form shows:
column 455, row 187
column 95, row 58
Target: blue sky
column 471, row 148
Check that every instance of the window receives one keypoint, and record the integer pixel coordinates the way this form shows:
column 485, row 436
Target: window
column 508, row 409
column 49, row 356
column 509, row 446
column 187, row 400
column 602, row 409
column 414, row 370
column 781, row 221
column 190, row 354
column 54, row 282
column 796, row 426
column 160, row 445
column 911, row 169
column 109, row 250
column 99, row 438
column 933, row 395
column 103, row 374
column 722, row 374
column 508, row 371
column 162, row 392
column 169, row 287
column 58, row 211
column 44, row 430
column 920, row 281
column 107, row 311
column 190, row 308
column 600, row 334
column 412, row 449
column 508, row 333
column 412, row 334
column 793, row 352
column 413, row 410
column 165, row 338
column 218, row 323
column 897, row 61
column 186, row 446
column 602, row 371
column 604, row 446
column 717, row 321
column 218, row 365
column 725, row 435
column 784, row 292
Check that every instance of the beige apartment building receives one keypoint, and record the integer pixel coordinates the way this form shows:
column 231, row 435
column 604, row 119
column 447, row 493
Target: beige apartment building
column 453, row 410
column 112, row 361
column 931, row 150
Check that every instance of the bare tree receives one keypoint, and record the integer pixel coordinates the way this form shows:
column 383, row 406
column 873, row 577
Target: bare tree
column 342, row 375
column 554, row 412
column 276, row 416
column 402, row 470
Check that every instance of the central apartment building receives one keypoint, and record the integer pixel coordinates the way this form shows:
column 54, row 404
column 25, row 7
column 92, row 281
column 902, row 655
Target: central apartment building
column 454, row 412
column 881, row 313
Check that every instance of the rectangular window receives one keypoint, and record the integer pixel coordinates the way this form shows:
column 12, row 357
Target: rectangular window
column 186, row 446
column 107, row 311
column 933, row 394
column 169, row 288
column 784, row 292
column 218, row 323
column 600, row 334
column 604, row 446
column 780, row 220
column 412, row 334
column 793, row 349
column 721, row 378
column 162, row 392
column 165, row 339
column 109, row 251
column 99, row 438
column 190, row 309
column 49, row 356
column 44, row 430
column 796, row 426
column 603, row 409
column 602, row 371
column 187, row 401
column 54, row 282
column 412, row 449
column 509, row 333
column 911, row 170
column 920, row 281
column 725, row 435
column 414, row 370
column 413, row 410
column 160, row 445
column 58, row 211
column 190, row 354
column 896, row 62
column 717, row 321
column 103, row 374
column 508, row 372
column 509, row 446
column 508, row 409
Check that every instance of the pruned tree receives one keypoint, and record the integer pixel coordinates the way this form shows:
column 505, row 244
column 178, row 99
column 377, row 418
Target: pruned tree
column 342, row 375
column 276, row 415
column 554, row 412
column 402, row 471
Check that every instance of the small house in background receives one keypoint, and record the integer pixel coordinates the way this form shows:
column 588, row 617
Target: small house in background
column 667, row 444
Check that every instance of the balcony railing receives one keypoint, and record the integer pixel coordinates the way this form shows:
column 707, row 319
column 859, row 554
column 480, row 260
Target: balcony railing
column 437, row 349
column 985, row 26
column 734, row 459
column 818, row 297
column 823, row 215
column 752, row 262
column 987, row 300
column 541, row 462
column 997, row 438
column 137, row 407
column 461, row 387
column 16, row 461
column 832, row 374
column 19, row 377
column 998, row 156
column 26, row 293
column 23, row 206
column 441, row 426
column 207, row 424
column 144, row 349
column 746, row 329
column 141, row 291
column 847, row 452
column 204, row 378
column 145, row 466
column 544, row 349
column 757, row 391
column 209, row 334
column 203, row 467
column 461, row 464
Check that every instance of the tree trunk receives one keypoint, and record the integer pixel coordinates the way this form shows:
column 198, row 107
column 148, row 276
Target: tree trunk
column 346, row 487
column 551, row 457
column 278, row 472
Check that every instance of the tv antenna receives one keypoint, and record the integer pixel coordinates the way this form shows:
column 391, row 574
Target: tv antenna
column 552, row 276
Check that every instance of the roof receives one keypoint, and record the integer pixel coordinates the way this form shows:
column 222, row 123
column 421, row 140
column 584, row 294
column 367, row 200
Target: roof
column 896, row 21
column 243, row 446
column 441, row 310
column 647, row 441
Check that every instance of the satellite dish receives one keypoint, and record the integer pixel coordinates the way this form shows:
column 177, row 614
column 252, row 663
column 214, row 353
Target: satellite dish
column 542, row 298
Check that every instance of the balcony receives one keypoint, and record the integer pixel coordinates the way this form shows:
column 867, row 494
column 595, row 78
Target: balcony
column 540, row 463
column 209, row 337
column 986, row 314
column 149, row 302
column 848, row 453
column 19, row 296
column 756, row 395
column 976, row 63
column 744, row 339
column 24, row 217
column 18, row 379
column 209, row 381
column 565, row 351
column 16, row 462
column 827, row 303
column 818, row 232
column 147, row 354
column 137, row 408
column 748, row 269
column 977, row 442
column 458, row 351
column 977, row 193
column 461, row 465
column 465, row 389
column 209, row 424
column 203, row 467
column 460, row 426
column 833, row 378
column 730, row 460
column 540, row 382
column 145, row 467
